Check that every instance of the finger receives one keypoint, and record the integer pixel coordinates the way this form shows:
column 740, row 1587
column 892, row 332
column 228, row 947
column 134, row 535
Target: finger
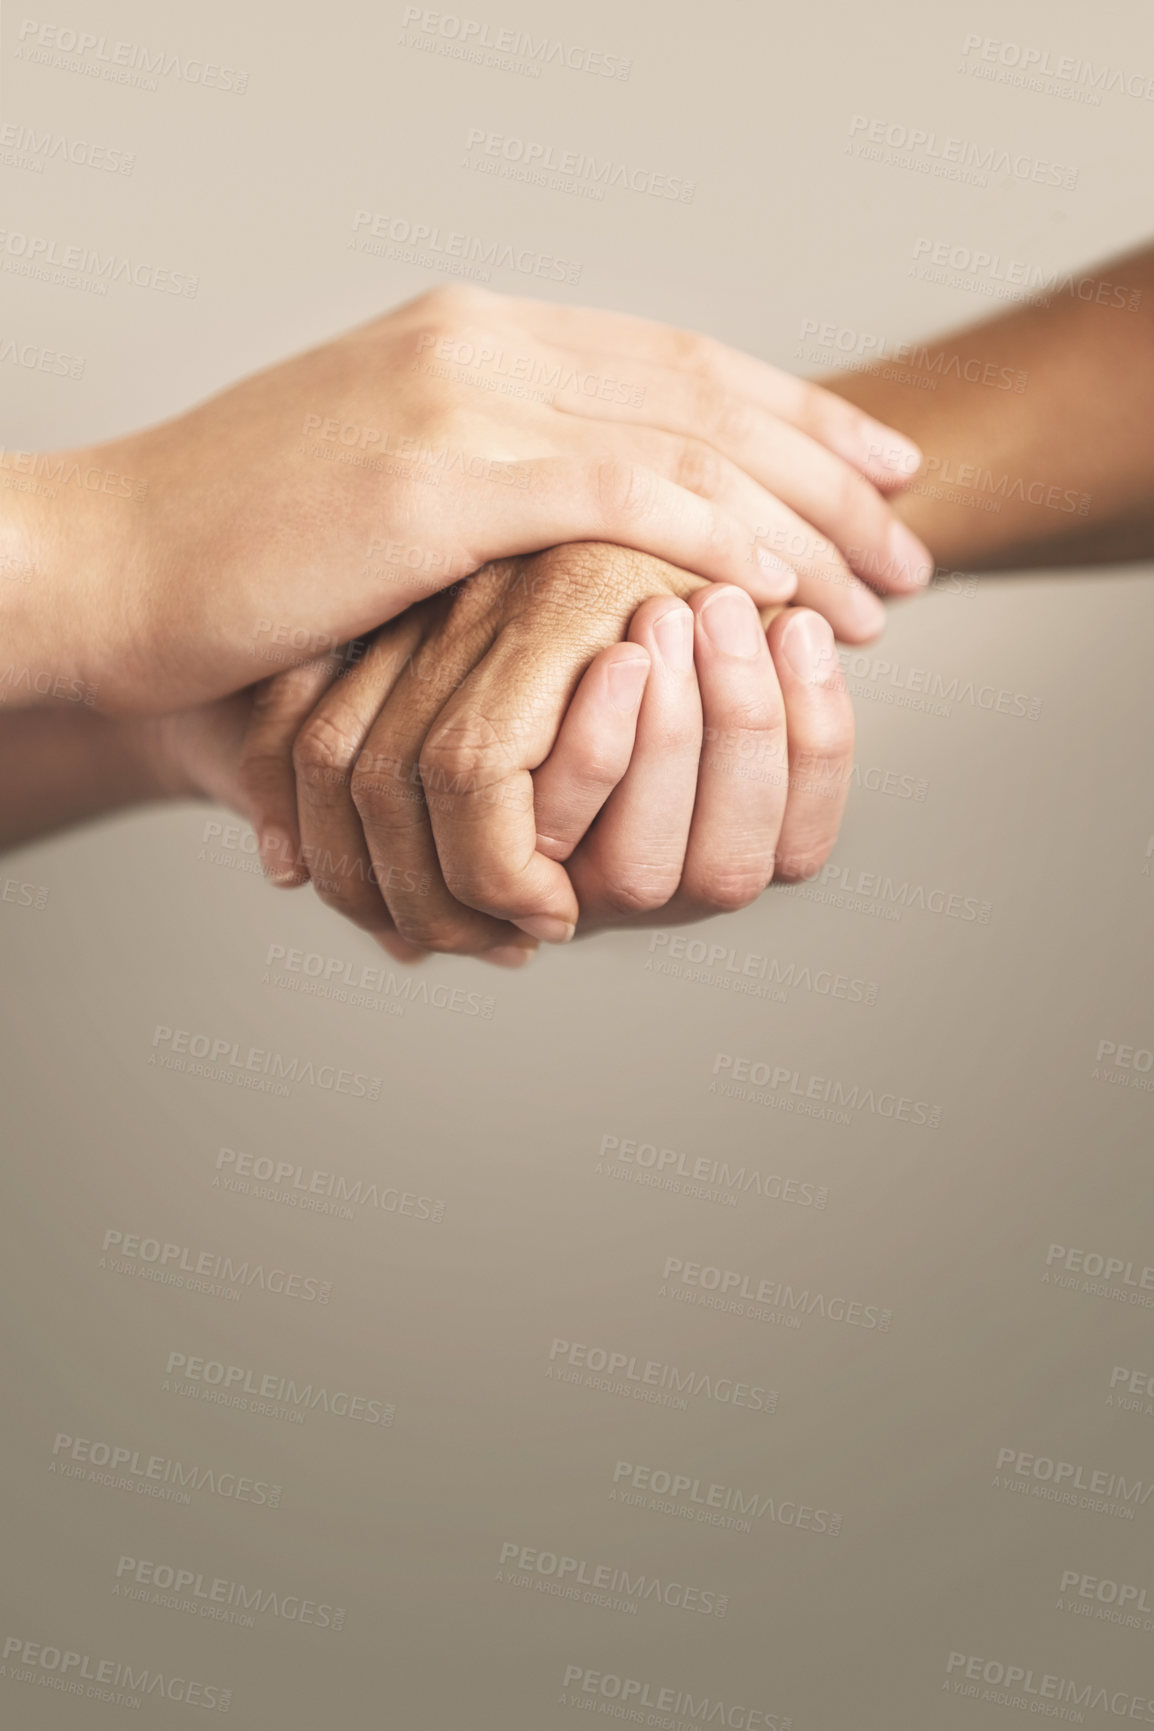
column 398, row 787
column 820, row 486
column 324, row 755
column 279, row 706
column 743, row 780
column 881, row 453
column 592, row 751
column 823, row 578
column 631, row 862
column 600, row 498
column 820, row 727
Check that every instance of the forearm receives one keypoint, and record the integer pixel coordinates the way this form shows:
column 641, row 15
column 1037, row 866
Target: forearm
column 1036, row 427
column 67, row 520
column 60, row 766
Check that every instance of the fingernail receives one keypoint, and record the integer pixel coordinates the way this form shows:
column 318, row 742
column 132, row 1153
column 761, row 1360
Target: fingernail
column 729, row 620
column 278, row 857
column 547, row 927
column 910, row 562
column 867, row 616
column 780, row 579
column 674, row 634
column 893, row 450
column 626, row 683
column 808, row 646
column 508, row 956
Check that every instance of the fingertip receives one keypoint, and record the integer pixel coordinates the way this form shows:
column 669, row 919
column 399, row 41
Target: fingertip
column 626, row 668
column 399, row 948
column 776, row 580
column 280, row 858
column 889, row 454
column 806, row 643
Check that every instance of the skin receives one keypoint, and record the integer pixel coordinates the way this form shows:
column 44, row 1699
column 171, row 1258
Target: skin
column 501, row 759
column 1081, row 424
column 324, row 496
column 1080, row 428
column 685, row 776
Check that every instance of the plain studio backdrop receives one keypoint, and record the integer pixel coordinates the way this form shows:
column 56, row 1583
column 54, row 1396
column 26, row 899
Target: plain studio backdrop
column 581, row 1362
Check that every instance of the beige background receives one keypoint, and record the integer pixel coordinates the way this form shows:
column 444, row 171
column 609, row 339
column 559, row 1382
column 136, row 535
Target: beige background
column 500, row 1116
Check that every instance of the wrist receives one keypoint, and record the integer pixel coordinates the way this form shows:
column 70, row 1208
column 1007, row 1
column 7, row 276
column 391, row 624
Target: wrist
column 70, row 532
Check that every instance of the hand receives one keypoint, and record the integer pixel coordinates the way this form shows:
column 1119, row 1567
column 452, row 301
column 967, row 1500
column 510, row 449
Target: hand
column 321, row 497
column 432, row 781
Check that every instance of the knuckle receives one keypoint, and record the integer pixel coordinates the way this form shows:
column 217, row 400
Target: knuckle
column 830, row 736
column 323, row 754
column 486, row 889
column 377, row 787
column 701, row 469
column 624, row 492
column 735, row 421
column 261, row 773
column 726, row 889
column 450, row 304
column 465, row 754
column 818, row 412
column 691, row 352
column 441, row 931
column 803, row 859
column 640, row 887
